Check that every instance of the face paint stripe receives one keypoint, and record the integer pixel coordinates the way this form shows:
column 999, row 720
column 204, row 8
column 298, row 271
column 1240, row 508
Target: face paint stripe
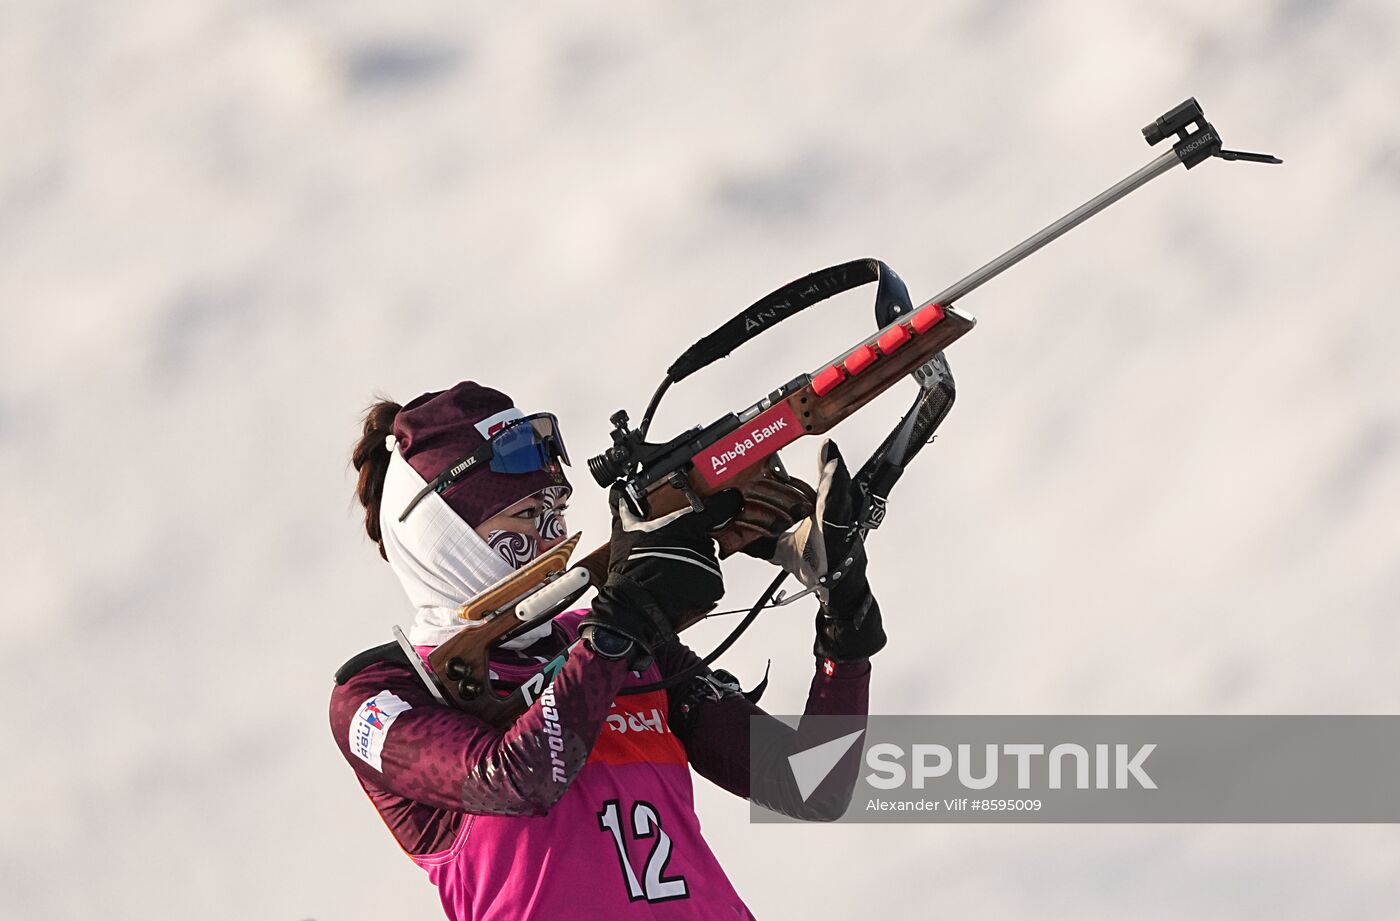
column 515, row 548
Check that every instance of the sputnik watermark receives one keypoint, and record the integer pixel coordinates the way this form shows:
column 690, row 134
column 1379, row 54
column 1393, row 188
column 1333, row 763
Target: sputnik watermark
column 1076, row 769
column 1114, row 765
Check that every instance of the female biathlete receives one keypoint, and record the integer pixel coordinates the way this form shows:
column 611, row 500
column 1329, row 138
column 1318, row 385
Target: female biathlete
column 508, row 826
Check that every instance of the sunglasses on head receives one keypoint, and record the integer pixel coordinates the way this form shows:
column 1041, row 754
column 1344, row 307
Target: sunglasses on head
column 525, row 445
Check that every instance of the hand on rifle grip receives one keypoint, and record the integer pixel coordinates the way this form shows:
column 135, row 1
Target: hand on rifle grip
column 662, row 576
column 771, row 507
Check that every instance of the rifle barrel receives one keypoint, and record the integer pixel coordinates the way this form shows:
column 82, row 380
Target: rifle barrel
column 1076, row 217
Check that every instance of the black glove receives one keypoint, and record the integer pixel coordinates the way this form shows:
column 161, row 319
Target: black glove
column 662, row 576
column 825, row 553
column 771, row 507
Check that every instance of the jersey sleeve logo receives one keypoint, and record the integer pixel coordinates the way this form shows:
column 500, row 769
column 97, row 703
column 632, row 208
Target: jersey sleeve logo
column 371, row 725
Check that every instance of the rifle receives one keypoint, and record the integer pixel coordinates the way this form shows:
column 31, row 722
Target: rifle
column 740, row 449
column 730, row 453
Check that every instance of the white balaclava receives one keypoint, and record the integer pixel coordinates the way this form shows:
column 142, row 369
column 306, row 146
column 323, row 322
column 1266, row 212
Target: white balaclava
column 439, row 559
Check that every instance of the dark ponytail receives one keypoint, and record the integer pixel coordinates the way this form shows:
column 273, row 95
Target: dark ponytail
column 371, row 460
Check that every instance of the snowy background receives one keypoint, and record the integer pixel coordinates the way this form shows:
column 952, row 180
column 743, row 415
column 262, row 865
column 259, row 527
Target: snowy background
column 1170, row 484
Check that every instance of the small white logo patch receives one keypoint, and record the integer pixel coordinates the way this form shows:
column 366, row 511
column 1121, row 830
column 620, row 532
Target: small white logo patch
column 371, row 725
column 493, row 424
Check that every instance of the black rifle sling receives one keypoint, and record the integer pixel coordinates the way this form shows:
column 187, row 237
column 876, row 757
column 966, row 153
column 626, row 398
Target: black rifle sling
column 891, row 299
